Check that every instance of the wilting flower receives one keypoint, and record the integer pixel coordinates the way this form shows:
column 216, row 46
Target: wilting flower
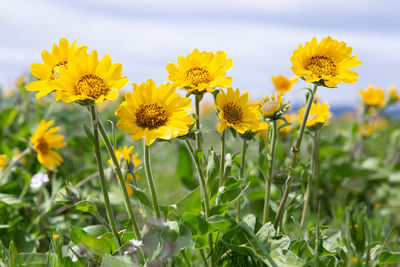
column 201, row 71
column 152, row 112
column 236, row 112
column 38, row 179
column 327, row 62
column 319, row 115
column 3, row 161
column 88, row 80
column 44, row 140
column 271, row 106
column 283, row 84
column 373, row 97
column 53, row 62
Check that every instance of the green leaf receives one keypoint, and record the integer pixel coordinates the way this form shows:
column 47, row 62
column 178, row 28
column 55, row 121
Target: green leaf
column 198, row 154
column 9, row 200
column 105, row 244
column 31, row 259
column 389, row 257
column 109, row 260
column 89, row 133
column 196, row 224
column 212, row 167
column 140, row 195
column 189, row 203
column 184, row 168
column 86, row 206
column 7, row 116
column 222, row 224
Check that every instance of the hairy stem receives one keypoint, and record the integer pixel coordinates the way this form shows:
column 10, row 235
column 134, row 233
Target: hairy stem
column 242, row 168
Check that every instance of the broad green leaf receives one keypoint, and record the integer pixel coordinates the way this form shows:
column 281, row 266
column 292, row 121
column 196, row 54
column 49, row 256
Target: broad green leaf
column 189, row 203
column 116, row 261
column 33, row 259
column 99, row 246
column 196, row 224
column 212, row 167
column 86, row 206
column 389, row 257
column 140, row 195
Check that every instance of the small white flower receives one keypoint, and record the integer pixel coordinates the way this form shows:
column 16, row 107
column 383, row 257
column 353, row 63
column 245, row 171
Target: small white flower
column 221, row 189
column 38, row 179
column 136, row 243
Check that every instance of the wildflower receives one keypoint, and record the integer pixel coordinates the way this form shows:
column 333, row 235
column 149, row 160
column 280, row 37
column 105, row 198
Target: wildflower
column 3, row 161
column 125, row 153
column 56, row 236
column 152, row 112
column 373, row 97
column 44, row 139
column 377, row 205
column 236, row 112
column 270, row 107
column 8, row 93
column 135, row 245
column 53, row 62
column 319, row 115
column 326, row 63
column 88, row 80
column 283, row 84
column 38, row 180
column 201, row 72
column 354, row 259
column 394, row 95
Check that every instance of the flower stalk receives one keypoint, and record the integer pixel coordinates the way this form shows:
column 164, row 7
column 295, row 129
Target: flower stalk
column 103, row 184
column 197, row 110
column 313, row 179
column 204, row 193
column 295, row 157
column 270, row 172
column 120, row 177
column 150, row 180
column 242, row 168
column 222, row 163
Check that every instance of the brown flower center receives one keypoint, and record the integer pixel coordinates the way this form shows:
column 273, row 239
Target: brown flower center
column 197, row 75
column 54, row 70
column 42, row 146
column 92, row 86
column 151, row 116
column 233, row 113
column 321, row 65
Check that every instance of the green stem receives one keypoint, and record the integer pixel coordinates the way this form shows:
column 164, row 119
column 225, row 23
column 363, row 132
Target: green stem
column 103, row 184
column 121, row 179
column 313, row 177
column 197, row 110
column 242, row 168
column 204, row 193
column 270, row 172
column 295, row 156
column 222, row 166
column 150, row 180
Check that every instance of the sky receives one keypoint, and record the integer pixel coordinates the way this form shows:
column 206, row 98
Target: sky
column 259, row 35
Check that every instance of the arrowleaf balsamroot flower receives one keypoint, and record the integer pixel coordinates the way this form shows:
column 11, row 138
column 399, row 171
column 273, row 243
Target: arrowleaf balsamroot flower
column 326, row 63
column 152, row 112
column 201, row 72
column 44, row 139
column 53, row 62
column 88, row 80
column 318, row 117
column 283, row 84
column 270, row 106
column 373, row 97
column 236, row 112
column 3, row 161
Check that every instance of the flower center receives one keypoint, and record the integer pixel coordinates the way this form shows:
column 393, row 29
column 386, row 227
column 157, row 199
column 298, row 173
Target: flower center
column 321, row 66
column 233, row 113
column 151, row 116
column 92, row 86
column 271, row 106
column 197, row 75
column 56, row 67
column 42, row 146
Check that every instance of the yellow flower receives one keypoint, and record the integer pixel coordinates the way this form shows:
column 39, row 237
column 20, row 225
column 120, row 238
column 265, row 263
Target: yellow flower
column 3, row 161
column 56, row 236
column 283, row 84
column 53, row 62
column 354, row 260
column 319, row 115
column 327, row 62
column 290, row 118
column 366, row 129
column 373, row 97
column 89, row 80
column 271, row 106
column 236, row 112
column 125, row 153
column 393, row 94
column 152, row 112
column 44, row 139
column 201, row 71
